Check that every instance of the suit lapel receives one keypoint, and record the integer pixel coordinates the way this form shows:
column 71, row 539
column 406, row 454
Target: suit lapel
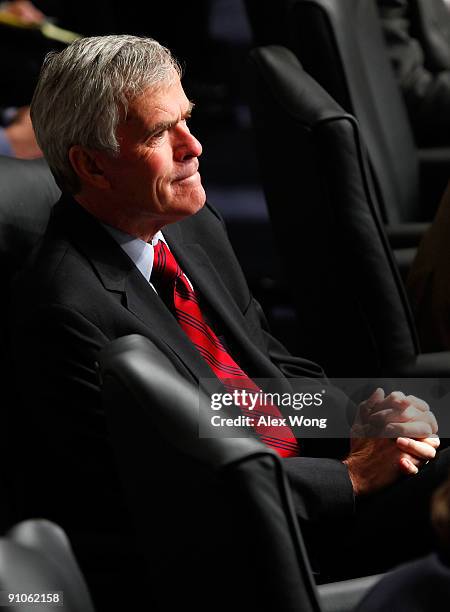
column 118, row 274
column 195, row 262
column 146, row 305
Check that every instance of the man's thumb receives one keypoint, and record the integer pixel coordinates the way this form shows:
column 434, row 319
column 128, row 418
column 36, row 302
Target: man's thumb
column 376, row 397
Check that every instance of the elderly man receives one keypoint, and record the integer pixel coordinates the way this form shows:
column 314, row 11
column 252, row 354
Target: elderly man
column 133, row 248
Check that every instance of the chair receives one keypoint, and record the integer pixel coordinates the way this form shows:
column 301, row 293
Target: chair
column 28, row 191
column 267, row 20
column 353, row 313
column 36, row 558
column 341, row 45
column 214, row 516
column 27, row 195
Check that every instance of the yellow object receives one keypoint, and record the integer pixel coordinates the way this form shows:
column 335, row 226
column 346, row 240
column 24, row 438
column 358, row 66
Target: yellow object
column 48, row 29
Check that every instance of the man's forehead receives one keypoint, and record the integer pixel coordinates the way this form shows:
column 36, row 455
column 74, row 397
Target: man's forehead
column 159, row 102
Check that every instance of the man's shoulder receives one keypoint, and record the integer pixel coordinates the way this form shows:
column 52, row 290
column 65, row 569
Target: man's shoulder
column 57, row 270
column 206, row 229
column 55, row 273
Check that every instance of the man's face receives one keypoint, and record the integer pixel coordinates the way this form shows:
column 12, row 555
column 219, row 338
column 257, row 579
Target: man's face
column 155, row 180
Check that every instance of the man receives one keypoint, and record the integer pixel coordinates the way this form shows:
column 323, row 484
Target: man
column 417, row 34
column 111, row 117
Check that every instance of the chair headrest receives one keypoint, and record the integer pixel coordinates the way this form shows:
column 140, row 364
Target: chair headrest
column 178, row 408
column 28, row 192
column 279, row 68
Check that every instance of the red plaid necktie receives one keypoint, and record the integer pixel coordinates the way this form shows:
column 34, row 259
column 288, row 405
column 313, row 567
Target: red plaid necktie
column 178, row 294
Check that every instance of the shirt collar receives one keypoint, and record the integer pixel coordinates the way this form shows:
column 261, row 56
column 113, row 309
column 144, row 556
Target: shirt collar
column 139, row 251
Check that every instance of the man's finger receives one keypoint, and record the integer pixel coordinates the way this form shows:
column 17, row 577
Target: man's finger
column 407, row 466
column 400, row 401
column 434, row 441
column 413, row 429
column 376, row 397
column 411, row 413
column 395, row 399
column 420, row 404
column 420, row 450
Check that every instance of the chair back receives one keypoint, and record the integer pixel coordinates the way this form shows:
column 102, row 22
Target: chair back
column 36, row 560
column 214, row 516
column 340, row 44
column 27, row 194
column 352, row 309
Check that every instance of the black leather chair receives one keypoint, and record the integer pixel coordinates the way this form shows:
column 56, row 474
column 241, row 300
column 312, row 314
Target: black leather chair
column 27, row 193
column 353, row 313
column 267, row 21
column 36, row 559
column 214, row 516
column 341, row 45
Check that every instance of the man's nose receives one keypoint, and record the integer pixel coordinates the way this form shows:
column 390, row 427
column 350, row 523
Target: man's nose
column 186, row 145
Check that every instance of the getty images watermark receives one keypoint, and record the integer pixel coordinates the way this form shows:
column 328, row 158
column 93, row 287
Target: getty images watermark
column 262, row 409
column 319, row 408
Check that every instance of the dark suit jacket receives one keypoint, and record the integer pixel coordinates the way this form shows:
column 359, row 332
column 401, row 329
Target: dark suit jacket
column 417, row 34
column 79, row 291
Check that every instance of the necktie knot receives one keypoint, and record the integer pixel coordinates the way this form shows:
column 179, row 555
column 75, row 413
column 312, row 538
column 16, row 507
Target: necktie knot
column 165, row 268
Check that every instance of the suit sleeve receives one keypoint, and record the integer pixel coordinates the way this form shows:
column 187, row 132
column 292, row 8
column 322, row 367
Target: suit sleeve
column 66, row 458
column 290, row 365
column 321, row 487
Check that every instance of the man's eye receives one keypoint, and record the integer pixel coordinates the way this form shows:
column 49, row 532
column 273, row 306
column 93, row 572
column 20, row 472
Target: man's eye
column 158, row 135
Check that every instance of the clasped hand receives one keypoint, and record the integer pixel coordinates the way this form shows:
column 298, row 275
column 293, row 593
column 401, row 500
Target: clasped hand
column 392, row 435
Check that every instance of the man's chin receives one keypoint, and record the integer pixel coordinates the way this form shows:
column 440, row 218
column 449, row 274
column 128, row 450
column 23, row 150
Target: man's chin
column 190, row 206
column 197, row 199
column 186, row 201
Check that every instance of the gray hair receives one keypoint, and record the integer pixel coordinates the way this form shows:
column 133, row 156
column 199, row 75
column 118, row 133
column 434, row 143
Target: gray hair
column 83, row 90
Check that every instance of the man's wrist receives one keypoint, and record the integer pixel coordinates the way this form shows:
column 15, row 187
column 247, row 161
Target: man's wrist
column 360, row 485
column 347, row 463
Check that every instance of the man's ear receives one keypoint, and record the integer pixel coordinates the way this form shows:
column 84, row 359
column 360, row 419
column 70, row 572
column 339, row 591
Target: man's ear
column 87, row 163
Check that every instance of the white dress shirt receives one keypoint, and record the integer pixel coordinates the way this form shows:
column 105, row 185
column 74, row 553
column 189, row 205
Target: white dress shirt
column 140, row 252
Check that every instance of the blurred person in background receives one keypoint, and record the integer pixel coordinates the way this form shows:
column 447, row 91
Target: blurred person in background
column 417, row 34
column 429, row 282
column 17, row 137
column 16, row 132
